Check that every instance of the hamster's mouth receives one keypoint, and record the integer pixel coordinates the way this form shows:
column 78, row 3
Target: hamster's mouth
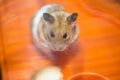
column 57, row 49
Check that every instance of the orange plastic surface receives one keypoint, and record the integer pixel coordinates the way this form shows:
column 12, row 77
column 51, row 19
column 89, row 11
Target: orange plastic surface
column 99, row 40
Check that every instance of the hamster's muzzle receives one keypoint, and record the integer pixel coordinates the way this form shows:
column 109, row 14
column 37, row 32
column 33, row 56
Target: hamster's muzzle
column 58, row 47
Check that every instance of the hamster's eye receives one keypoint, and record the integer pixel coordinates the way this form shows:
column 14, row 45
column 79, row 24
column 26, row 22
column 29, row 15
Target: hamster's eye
column 52, row 34
column 65, row 35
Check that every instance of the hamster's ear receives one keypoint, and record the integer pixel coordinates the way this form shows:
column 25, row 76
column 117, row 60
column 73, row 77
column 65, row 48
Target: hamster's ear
column 72, row 18
column 47, row 17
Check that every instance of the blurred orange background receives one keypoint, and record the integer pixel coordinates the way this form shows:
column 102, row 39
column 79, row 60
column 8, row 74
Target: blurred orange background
column 99, row 40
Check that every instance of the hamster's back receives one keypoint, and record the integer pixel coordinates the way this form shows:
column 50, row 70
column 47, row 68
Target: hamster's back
column 52, row 8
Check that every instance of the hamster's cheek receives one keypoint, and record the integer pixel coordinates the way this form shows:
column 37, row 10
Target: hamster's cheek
column 72, row 40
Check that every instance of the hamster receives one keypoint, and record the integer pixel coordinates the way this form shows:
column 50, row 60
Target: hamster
column 54, row 29
column 49, row 73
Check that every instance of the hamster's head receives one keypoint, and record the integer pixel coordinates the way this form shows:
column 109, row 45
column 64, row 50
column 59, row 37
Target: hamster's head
column 60, row 30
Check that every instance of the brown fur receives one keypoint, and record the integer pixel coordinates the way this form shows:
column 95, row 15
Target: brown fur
column 60, row 26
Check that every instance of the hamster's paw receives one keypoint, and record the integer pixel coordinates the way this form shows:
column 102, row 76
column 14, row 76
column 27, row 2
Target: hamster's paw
column 49, row 73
